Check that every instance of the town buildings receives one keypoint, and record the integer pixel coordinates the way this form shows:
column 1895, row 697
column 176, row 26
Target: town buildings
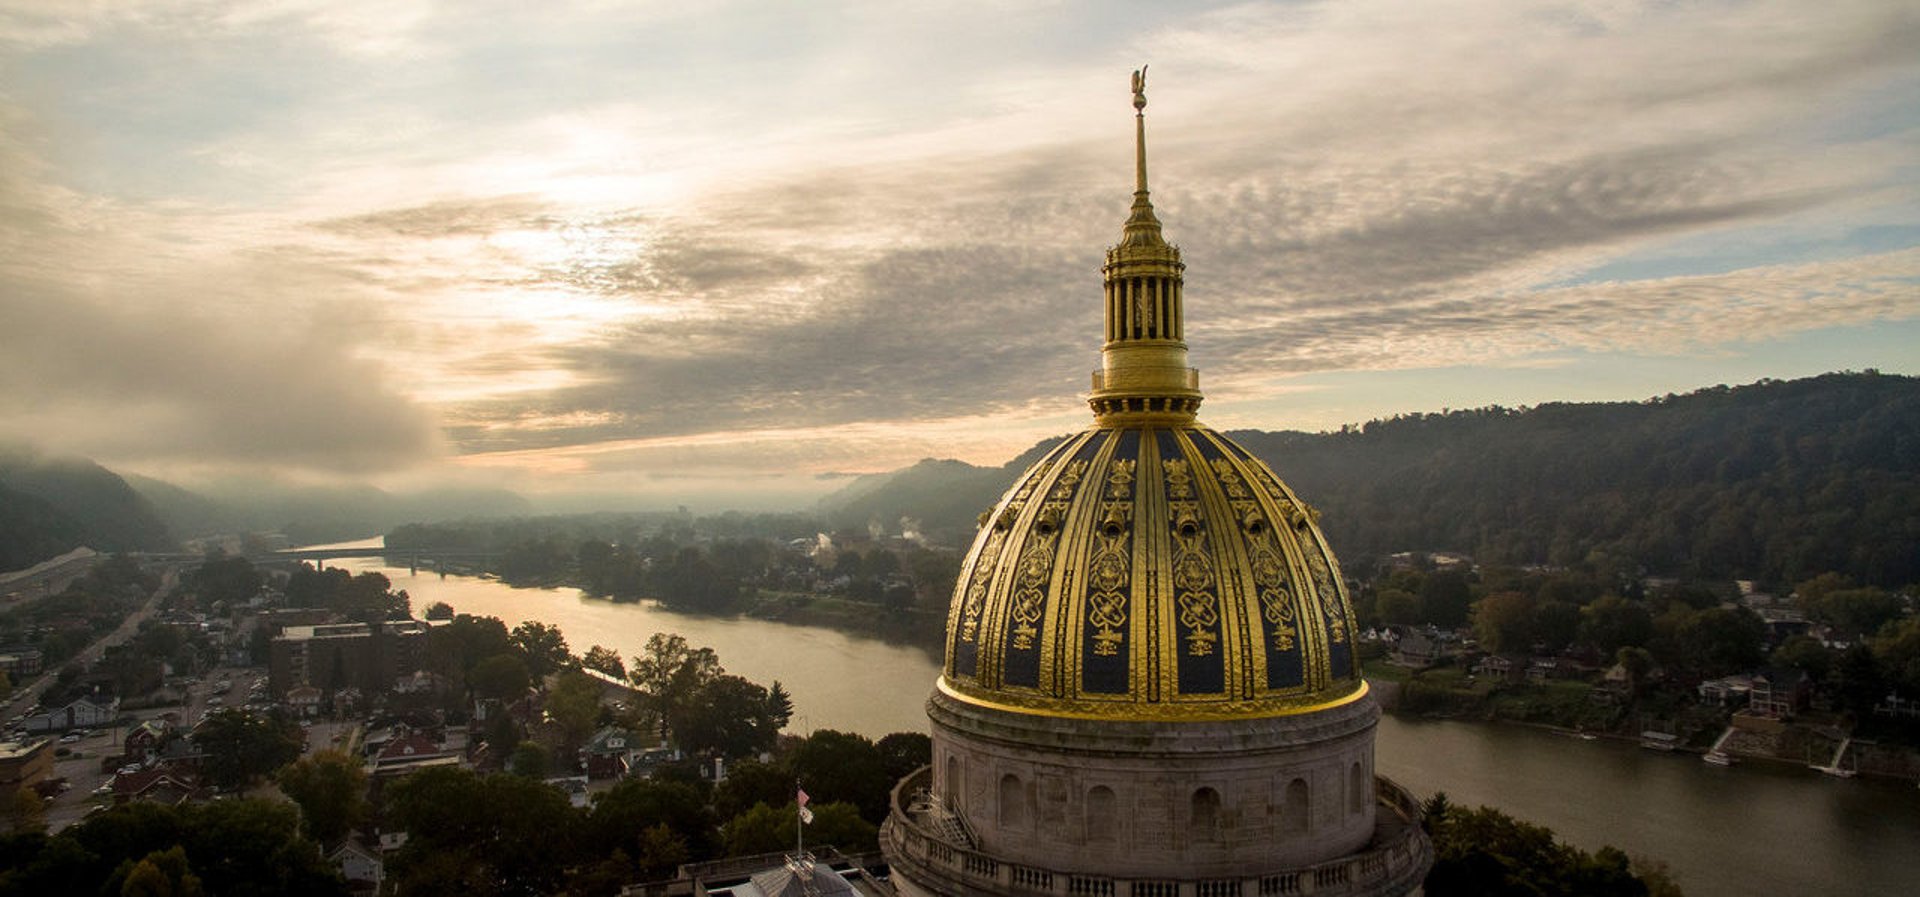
column 371, row 657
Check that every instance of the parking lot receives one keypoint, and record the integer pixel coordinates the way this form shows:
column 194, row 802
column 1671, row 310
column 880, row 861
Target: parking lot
column 79, row 760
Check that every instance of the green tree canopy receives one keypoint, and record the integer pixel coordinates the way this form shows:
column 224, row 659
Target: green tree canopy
column 728, row 716
column 634, row 805
column 241, row 747
column 574, row 704
column 501, row 677
column 842, row 766
column 543, row 648
column 1503, row 622
column 765, row 829
column 1612, row 622
column 502, row 834
column 606, row 660
column 1482, row 851
column 331, row 790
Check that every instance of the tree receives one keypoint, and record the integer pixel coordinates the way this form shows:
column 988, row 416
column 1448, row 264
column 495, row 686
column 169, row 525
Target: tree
column 765, row 829
column 728, row 716
column 158, row 874
column 544, row 648
column 1445, row 598
column 1804, row 652
column 1503, row 622
column 1555, row 623
column 779, row 705
column 1483, row 851
column 231, row 580
column 1612, row 622
column 1638, row 664
column 843, row 766
column 903, row 752
column 1725, row 640
column 530, row 760
column 241, row 747
column 1857, row 679
column 330, row 788
column 1393, row 605
column 661, row 852
column 750, row 782
column 473, row 834
column 456, row 648
column 669, row 671
column 439, row 610
column 24, row 811
column 246, row 847
column 1859, row 611
column 574, row 704
column 1896, row 650
column 502, row 677
column 606, row 660
column 633, row 805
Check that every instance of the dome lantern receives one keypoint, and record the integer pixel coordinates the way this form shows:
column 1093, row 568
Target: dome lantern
column 1143, row 376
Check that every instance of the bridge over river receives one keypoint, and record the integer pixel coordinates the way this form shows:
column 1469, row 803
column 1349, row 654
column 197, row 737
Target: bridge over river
column 443, row 561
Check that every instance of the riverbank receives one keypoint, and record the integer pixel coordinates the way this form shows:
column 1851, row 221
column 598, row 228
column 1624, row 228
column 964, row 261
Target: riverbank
column 1577, row 707
column 911, row 626
column 1771, row 828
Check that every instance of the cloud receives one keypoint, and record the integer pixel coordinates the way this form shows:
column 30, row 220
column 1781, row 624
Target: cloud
column 124, row 344
column 607, row 244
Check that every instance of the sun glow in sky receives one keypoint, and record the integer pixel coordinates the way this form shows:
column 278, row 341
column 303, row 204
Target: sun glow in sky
column 721, row 253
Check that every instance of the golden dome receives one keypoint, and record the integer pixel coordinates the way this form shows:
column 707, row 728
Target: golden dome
column 1150, row 568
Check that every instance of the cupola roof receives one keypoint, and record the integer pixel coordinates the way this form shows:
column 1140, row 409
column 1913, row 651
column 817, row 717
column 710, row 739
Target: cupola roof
column 1150, row 568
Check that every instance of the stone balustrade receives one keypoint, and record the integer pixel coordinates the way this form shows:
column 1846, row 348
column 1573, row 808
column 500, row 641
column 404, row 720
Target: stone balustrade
column 1392, row 863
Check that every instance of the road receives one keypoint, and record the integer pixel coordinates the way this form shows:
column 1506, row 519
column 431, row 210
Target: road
column 28, row 695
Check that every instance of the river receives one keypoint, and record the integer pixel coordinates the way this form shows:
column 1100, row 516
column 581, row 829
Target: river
column 1752, row 829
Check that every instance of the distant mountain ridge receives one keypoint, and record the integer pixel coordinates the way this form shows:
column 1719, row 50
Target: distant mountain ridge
column 1776, row 480
column 308, row 514
column 49, row 506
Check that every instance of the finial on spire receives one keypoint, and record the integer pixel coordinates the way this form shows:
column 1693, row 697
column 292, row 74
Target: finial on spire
column 1140, row 130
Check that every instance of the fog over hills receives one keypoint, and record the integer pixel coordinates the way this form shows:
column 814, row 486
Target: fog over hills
column 50, row 505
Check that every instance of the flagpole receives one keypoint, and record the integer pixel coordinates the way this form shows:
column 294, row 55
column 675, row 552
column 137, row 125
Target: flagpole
column 799, row 824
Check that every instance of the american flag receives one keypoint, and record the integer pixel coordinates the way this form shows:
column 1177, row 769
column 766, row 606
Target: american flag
column 800, row 801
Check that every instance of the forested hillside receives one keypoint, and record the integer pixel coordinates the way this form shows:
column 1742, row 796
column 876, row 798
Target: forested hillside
column 1777, row 480
column 52, row 505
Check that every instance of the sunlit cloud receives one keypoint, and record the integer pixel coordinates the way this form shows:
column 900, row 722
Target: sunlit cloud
column 590, row 244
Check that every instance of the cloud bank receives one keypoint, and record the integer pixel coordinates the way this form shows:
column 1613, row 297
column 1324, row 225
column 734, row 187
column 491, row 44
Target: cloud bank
column 607, row 243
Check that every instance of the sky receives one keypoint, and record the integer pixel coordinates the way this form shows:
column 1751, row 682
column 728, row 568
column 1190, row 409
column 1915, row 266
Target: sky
column 727, row 253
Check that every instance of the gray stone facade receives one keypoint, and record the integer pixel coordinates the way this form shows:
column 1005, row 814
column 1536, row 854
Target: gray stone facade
column 1153, row 799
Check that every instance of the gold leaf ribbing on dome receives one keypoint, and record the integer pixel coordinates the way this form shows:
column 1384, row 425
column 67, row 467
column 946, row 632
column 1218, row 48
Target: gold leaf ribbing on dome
column 1143, row 376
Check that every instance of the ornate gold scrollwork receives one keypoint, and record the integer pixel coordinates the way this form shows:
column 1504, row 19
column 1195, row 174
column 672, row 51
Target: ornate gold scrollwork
column 1192, row 569
column 1107, row 576
column 1328, row 591
column 1179, row 479
column 1120, row 478
column 976, row 598
column 1036, row 565
column 1276, row 601
column 1230, row 479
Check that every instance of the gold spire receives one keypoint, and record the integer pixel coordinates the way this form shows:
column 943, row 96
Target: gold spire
column 1143, row 376
column 1143, row 228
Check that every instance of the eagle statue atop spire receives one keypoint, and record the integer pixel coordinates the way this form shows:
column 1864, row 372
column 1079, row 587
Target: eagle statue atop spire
column 1140, row 88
